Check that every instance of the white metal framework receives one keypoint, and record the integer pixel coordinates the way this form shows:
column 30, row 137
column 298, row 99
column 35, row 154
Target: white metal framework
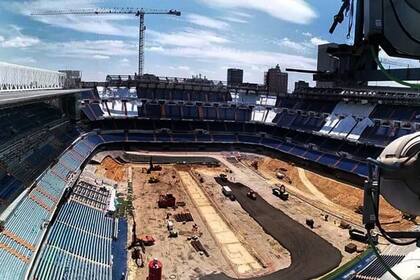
column 17, row 78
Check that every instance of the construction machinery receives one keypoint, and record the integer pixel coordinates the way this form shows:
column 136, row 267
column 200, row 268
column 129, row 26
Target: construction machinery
column 153, row 167
column 281, row 193
column 167, row 200
column 252, row 195
column 153, row 180
column 138, row 12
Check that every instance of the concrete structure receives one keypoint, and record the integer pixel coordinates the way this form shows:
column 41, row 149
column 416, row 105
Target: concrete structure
column 326, row 63
column 235, row 76
column 73, row 78
column 276, row 81
column 17, row 78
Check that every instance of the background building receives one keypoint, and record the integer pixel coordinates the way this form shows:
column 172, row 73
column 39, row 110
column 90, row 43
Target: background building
column 276, row 81
column 235, row 76
column 73, row 78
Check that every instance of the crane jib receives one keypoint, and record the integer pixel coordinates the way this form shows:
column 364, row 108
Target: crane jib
column 139, row 12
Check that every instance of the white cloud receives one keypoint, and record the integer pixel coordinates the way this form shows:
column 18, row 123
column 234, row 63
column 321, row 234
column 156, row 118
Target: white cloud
column 24, row 60
column 296, row 11
column 207, row 22
column 287, row 43
column 14, row 38
column 187, row 38
column 318, row 41
column 100, row 56
column 235, row 56
column 20, row 41
column 99, row 49
column 238, row 17
column 242, row 14
column 235, row 19
column 307, row 34
column 104, row 24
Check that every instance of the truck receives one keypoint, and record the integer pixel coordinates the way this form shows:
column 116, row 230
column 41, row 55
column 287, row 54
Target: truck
column 226, row 191
column 280, row 175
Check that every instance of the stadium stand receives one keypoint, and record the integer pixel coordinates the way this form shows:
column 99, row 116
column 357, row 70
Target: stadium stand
column 331, row 134
column 196, row 111
column 81, row 220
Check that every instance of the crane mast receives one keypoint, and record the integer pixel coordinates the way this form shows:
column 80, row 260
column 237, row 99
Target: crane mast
column 142, row 29
column 103, row 11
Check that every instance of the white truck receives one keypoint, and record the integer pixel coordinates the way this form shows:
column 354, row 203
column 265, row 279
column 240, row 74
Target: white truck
column 226, row 191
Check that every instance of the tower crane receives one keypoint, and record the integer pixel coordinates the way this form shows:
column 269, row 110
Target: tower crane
column 138, row 12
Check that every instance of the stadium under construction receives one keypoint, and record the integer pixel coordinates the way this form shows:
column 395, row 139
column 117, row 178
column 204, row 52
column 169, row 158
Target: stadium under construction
column 148, row 177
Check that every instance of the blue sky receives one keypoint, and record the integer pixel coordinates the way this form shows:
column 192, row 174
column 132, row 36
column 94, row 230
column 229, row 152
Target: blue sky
column 209, row 37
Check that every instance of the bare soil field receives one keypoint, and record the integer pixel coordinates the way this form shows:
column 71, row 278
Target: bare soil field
column 111, row 169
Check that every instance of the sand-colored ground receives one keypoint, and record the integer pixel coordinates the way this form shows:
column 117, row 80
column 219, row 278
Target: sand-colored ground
column 111, row 169
column 266, row 249
column 180, row 260
column 352, row 198
column 242, row 261
column 330, row 192
column 269, row 167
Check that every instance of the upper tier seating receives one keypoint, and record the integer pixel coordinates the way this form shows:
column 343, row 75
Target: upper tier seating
column 184, row 95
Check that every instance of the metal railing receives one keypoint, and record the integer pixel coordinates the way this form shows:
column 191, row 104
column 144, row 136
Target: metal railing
column 20, row 78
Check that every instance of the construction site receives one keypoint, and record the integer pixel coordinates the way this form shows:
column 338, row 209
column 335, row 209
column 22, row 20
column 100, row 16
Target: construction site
column 233, row 215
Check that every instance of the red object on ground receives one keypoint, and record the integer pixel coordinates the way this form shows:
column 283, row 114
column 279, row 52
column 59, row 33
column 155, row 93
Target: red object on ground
column 166, row 201
column 155, row 270
column 148, row 240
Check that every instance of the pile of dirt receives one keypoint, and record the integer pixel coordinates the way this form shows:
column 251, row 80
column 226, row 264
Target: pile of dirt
column 269, row 166
column 112, row 169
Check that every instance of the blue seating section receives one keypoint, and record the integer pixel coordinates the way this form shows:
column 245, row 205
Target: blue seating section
column 79, row 243
column 25, row 225
column 184, row 95
column 8, row 186
column 58, row 264
column 177, row 111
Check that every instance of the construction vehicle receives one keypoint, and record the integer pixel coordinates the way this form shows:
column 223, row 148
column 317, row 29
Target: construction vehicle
column 252, row 195
column 148, row 240
column 173, row 233
column 223, row 177
column 153, row 167
column 153, row 180
column 280, row 175
column 167, row 200
column 281, row 192
column 226, row 191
